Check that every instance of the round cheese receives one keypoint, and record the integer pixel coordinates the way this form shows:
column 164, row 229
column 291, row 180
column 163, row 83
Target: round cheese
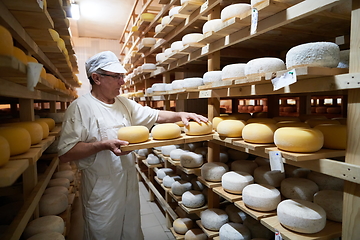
column 212, row 76
column 147, row 16
column 292, row 124
column 166, row 150
column 313, row 122
column 18, row 138
column 213, row 171
column 144, row 152
column 176, row 46
column 299, row 188
column 133, row 134
column 162, row 172
column 177, row 84
column 168, row 87
column 195, row 234
column 230, row 231
column 195, row 128
column 20, row 55
column 49, row 121
column 165, row 20
column 235, row 214
column 236, row 70
column 193, row 199
column 168, row 52
column 297, row 139
column 332, row 202
column 176, row 154
column 158, row 87
column 152, row 159
column 182, row 225
column 64, row 174
column 316, row 54
column 301, row 216
column 191, row 38
column 258, row 231
column 35, row 130
column 6, row 42
column 264, row 175
column 261, row 120
column 236, row 155
column 47, row 235
column 59, row 182
column 335, row 135
column 259, row 132
column 234, row 10
column 261, row 197
column 148, row 66
column 52, row 204
column 197, row 185
column 212, row 25
column 148, row 41
column 159, row 28
column 168, row 180
column 344, row 59
column 235, row 181
column 160, row 57
column 231, row 128
column 264, row 65
column 326, row 182
column 4, row 151
column 57, row 189
column 213, row 218
column 44, row 126
column 180, row 186
column 149, row 91
column 217, row 120
column 165, row 131
column 244, row 166
column 191, row 160
column 44, row 224
column 193, row 82
column 174, row 10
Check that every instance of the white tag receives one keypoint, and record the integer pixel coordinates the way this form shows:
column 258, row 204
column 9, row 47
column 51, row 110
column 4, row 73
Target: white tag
column 205, row 94
column 205, row 49
column 41, row 3
column 254, row 20
column 286, row 79
column 278, row 235
column 204, row 6
column 33, row 74
column 276, row 162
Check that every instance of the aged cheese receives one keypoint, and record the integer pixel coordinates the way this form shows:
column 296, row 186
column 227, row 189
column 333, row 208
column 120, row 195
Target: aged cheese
column 160, row 57
column 152, row 159
column 148, row 66
column 147, row 16
column 143, row 152
column 166, row 150
column 176, row 46
column 59, row 182
column 191, row 38
column 259, row 132
column 47, row 235
column 195, row 234
column 213, row 218
column 176, row 154
column 191, row 160
column 133, row 134
column 262, row 161
column 297, row 139
column 165, row 20
column 263, row 65
column 326, row 182
column 261, row 197
column 231, row 128
column 193, row 82
column 18, row 138
column 217, row 120
column 149, row 90
column 20, row 55
column 168, row 52
column 247, row 166
column 4, row 151
column 162, row 172
column 45, row 127
column 299, row 188
column 31, row 59
column 165, row 131
column 264, row 175
column 174, row 10
column 168, row 180
column 64, row 174
column 236, row 70
column 213, row 171
column 235, row 214
column 177, row 84
column 301, row 216
column 332, row 202
column 44, row 224
column 235, row 181
column 313, row 122
column 168, row 87
column 193, row 199
column 148, row 41
column 212, row 76
column 202, row 128
column 34, row 128
column 234, row 10
column 230, row 231
column 182, row 225
column 344, row 59
column 335, row 135
column 49, row 121
column 57, row 189
column 6, row 42
column 52, row 204
column 212, row 25
column 158, row 87
column 180, row 186
column 159, row 28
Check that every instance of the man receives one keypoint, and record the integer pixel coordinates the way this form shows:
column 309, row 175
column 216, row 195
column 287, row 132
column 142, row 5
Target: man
column 109, row 185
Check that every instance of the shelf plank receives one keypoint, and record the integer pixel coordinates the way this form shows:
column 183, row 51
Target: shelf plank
column 33, row 155
column 195, row 171
column 188, row 7
column 226, row 139
column 12, row 69
column 34, row 19
column 56, row 131
column 176, row 235
column 44, row 144
column 253, row 213
column 151, row 166
column 211, row 234
column 12, row 171
column 252, row 146
column 228, row 196
column 192, row 210
column 209, row 184
column 175, row 197
column 322, row 153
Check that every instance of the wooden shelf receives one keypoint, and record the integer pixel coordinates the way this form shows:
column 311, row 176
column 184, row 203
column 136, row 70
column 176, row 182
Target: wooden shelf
column 12, row 171
column 192, row 210
column 176, row 235
column 209, row 184
column 209, row 233
column 226, row 195
column 253, row 213
column 151, row 165
column 252, row 146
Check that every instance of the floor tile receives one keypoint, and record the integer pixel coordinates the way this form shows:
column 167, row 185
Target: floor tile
column 155, row 233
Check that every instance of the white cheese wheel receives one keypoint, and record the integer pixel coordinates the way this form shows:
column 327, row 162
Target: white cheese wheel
column 335, row 135
column 147, row 41
column 263, row 65
column 235, row 181
column 315, row 54
column 193, row 82
column 297, row 139
column 144, row 152
column 160, row 57
column 217, row 120
column 236, row 70
column 244, row 166
column 166, row 150
column 168, row 180
column 213, row 171
column 230, row 128
column 191, row 38
column 180, row 186
column 196, row 184
column 182, row 225
column 195, row 234
column 59, row 182
column 313, row 122
column 235, row 214
column 162, row 172
column 258, row 231
column 202, row 128
column 158, row 87
column 301, row 216
column 168, row 52
column 165, row 131
column 193, row 199
column 47, row 235
column 44, row 224
column 176, row 46
column 152, row 159
column 259, row 132
column 177, row 84
column 264, row 175
column 326, row 182
column 52, row 204
column 176, row 154
column 149, row 91
column 165, row 20
column 237, row 155
column 168, row 87
column 212, row 76
column 18, row 138
column 174, row 10
column 45, row 127
column 191, row 160
column 261, row 197
column 148, row 66
column 213, row 218
column 230, row 231
column 234, row 10
column 295, row 172
column 344, row 59
column 69, row 174
column 212, row 25
column 299, row 188
column 57, row 189
column 332, row 202
column 133, row 134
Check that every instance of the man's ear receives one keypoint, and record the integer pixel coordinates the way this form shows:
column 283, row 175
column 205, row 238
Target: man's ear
column 96, row 78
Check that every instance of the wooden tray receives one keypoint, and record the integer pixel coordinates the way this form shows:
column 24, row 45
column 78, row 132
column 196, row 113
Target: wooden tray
column 209, row 184
column 255, row 214
column 228, row 196
column 192, row 210
column 12, row 171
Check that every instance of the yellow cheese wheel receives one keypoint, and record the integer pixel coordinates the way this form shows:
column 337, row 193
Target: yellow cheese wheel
column 303, row 118
column 147, row 16
column 50, row 122
column 166, row 131
column 4, row 151
column 6, row 42
column 180, row 124
column 44, row 126
column 231, row 128
column 261, row 120
column 43, row 73
column 335, row 135
column 18, row 138
column 291, row 124
column 217, row 120
column 314, row 121
column 20, row 55
column 259, row 132
column 202, row 128
column 297, row 139
column 34, row 128
column 61, row 43
column 54, row 34
column 281, row 118
column 133, row 134
column 31, row 59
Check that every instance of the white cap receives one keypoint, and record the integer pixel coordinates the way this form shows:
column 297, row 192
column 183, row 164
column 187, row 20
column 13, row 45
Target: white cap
column 106, row 61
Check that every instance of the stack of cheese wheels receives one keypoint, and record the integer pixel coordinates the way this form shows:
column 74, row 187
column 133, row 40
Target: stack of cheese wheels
column 212, row 25
column 217, row 120
column 298, row 139
column 264, row 65
column 332, row 202
column 44, row 224
column 166, row 131
column 213, row 218
column 148, row 41
column 133, row 134
column 47, row 235
column 168, row 180
column 235, row 214
column 261, row 197
column 235, row 181
column 195, row 234
column 193, row 199
column 162, row 172
column 213, row 171
column 176, row 46
column 20, row 55
column 4, row 151
column 316, row 54
column 231, row 230
column 193, row 82
column 177, row 84
column 158, row 87
column 299, row 188
column 182, row 225
column 152, row 159
column 244, row 166
column 191, row 160
column 313, row 122
column 176, row 154
column 264, row 175
column 6, row 42
column 239, row 10
column 212, row 76
column 53, row 204
column 166, row 150
column 335, row 135
column 180, row 186
column 231, row 71
column 59, row 182
column 195, row 128
column 174, row 10
column 18, row 138
column 230, row 128
column 191, row 38
column 35, row 130
column 301, row 216
column 259, row 132
column 326, row 182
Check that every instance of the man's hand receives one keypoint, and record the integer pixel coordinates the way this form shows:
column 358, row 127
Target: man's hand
column 185, row 117
column 171, row 117
column 114, row 146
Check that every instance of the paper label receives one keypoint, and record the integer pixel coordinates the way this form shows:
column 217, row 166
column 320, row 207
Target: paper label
column 278, row 235
column 33, row 74
column 276, row 163
column 205, row 94
column 204, row 6
column 286, row 79
column 41, row 3
column 205, row 49
column 254, row 20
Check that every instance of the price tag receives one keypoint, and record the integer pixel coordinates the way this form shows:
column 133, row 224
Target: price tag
column 204, row 6
column 33, row 74
column 41, row 3
column 205, row 49
column 205, row 94
column 254, row 20
column 276, row 163
column 278, row 235
column 286, row 79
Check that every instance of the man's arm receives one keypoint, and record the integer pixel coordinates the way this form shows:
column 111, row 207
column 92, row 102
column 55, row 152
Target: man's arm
column 170, row 117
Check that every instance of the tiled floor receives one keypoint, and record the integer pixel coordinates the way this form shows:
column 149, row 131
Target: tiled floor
column 153, row 222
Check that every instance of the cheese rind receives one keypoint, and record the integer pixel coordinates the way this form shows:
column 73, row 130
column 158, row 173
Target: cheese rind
column 191, row 160
column 193, row 199
column 335, row 135
column 259, row 132
column 230, row 128
column 202, row 128
column 234, row 10
column 52, row 204
column 264, row 175
column 166, row 131
column 176, row 154
column 182, row 225
column 236, row 70
column 180, row 186
column 212, row 76
column 18, row 138
column 261, row 197
column 191, row 38
column 176, row 46
column 44, row 224
column 299, row 188
column 162, row 172
column 212, row 25
column 133, row 134
column 235, row 181
column 213, row 218
column 213, row 171
column 244, row 166
column 230, row 231
column 264, row 65
column 332, row 202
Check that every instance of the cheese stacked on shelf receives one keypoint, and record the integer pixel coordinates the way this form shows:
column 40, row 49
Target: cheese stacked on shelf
column 147, row 16
column 213, row 218
column 191, row 38
column 231, row 71
column 235, row 10
column 196, row 129
column 332, row 202
column 176, row 46
column 231, row 230
column 230, row 128
column 52, row 204
column 19, row 139
column 261, row 197
column 235, row 181
column 182, row 225
column 44, row 224
column 259, row 132
column 263, row 65
column 6, row 42
column 299, row 188
column 193, row 82
column 193, row 199
column 133, row 134
column 166, row 131
column 20, row 55
column 213, row 171
column 212, row 76
column 174, row 10
column 212, row 25
column 335, row 135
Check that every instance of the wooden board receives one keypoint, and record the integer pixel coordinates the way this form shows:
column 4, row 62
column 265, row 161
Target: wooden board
column 220, row 84
column 177, row 19
column 12, row 69
column 12, row 171
column 210, row 37
column 234, row 24
column 189, row 48
column 34, row 19
column 188, row 7
column 196, row 171
column 228, row 196
column 175, row 197
column 176, row 235
column 45, row 143
column 209, row 184
column 252, row 146
column 192, row 210
column 209, row 233
column 151, row 166
column 226, row 139
column 173, row 162
column 32, row 155
column 255, row 214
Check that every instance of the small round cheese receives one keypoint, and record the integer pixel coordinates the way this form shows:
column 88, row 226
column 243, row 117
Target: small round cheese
column 53, row 204
column 158, row 87
column 20, row 55
column 45, row 127
column 301, row 216
column 191, row 160
column 316, row 54
column 313, row 122
column 178, row 84
column 297, row 139
column 166, row 150
column 193, row 82
column 49, row 121
column 57, row 189
column 212, row 25
column 259, row 132
column 166, row 131
column 152, row 159
column 236, row 155
column 168, row 52
column 182, row 225
column 236, row 70
column 213, row 171
column 34, row 128
column 148, row 66
column 235, row 181
column 180, row 186
column 148, row 41
column 64, row 174
column 235, row 214
column 264, row 175
column 133, row 134
column 230, row 231
column 44, row 224
column 217, row 120
column 234, row 10
column 144, row 152
column 326, row 182
column 261, row 197
column 174, row 10
column 195, row 128
column 6, row 42
column 147, row 16
column 165, row 20
column 191, row 38
column 244, row 166
column 299, row 188
column 195, row 234
column 230, row 128
column 193, row 199
column 149, row 91
column 213, row 218
column 261, row 120
column 335, row 135
column 212, row 76
column 168, row 180
column 344, row 59
column 168, row 87
column 162, row 172
column 47, row 235
column 332, row 202
column 197, row 185
column 160, row 57
column 59, row 182
column 263, row 65
column 176, row 154
column 176, row 46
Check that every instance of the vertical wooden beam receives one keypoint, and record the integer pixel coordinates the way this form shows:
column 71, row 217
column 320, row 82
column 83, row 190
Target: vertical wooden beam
column 304, row 105
column 62, row 106
column 53, row 107
column 235, row 105
column 273, row 106
column 166, row 79
column 26, row 109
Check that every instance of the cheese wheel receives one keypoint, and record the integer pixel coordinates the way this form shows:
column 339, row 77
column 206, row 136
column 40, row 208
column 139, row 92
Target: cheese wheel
column 180, row 186
column 59, row 182
column 191, row 38
column 147, row 16
column 261, row 197
column 165, row 20
column 236, row 155
column 230, row 231
column 263, row 65
column 261, row 120
column 174, row 10
column 57, row 189
column 235, row 214
column 52, row 204
column 176, row 154
column 259, row 132
column 162, row 172
column 193, row 199
column 299, row 188
column 148, row 41
column 158, row 87
column 195, row 128
column 20, row 55
column 49, row 121
column 236, row 70
column 4, row 151
column 166, row 150
column 47, row 235
column 166, row 131
column 159, row 28
column 213, row 171
column 235, row 10
column 297, row 139
column 316, row 54
column 44, row 224
column 230, row 128
column 213, row 218
column 264, row 175
column 45, row 127
column 148, row 66
column 301, row 216
column 152, row 159
column 168, row 52
column 212, row 76
column 6, row 42
column 292, row 124
column 177, row 84
column 193, row 82
column 191, row 160
column 176, row 46
column 18, row 138
column 149, row 91
column 335, row 136
column 64, row 174
column 160, row 57
column 182, row 225
column 313, row 122
column 332, row 202
column 244, row 166
column 217, row 120
column 212, row 25
column 133, row 134
column 195, row 234
column 168, row 180
column 197, row 185
column 235, row 181
column 326, row 182
column 35, row 130
column 31, row 59
column 344, row 59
